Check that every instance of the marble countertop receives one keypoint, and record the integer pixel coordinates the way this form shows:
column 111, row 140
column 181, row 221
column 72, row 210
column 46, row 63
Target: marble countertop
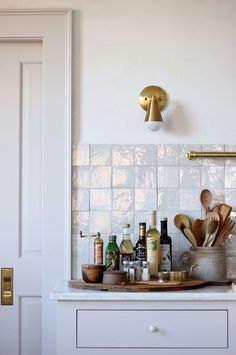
column 210, row 293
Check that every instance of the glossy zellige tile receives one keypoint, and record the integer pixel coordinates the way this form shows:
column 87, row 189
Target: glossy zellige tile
column 100, row 221
column 213, row 177
column 123, row 154
column 123, row 176
column 122, row 217
column 168, row 199
column 145, row 177
column 167, row 154
column 81, row 155
column 230, row 197
column 145, row 154
column 184, row 149
column 190, row 177
column 100, row 176
column 80, row 177
column 213, row 161
column 189, row 199
column 230, row 176
column 168, row 176
column 123, row 199
column 145, row 199
column 100, row 154
column 80, row 200
column 100, row 199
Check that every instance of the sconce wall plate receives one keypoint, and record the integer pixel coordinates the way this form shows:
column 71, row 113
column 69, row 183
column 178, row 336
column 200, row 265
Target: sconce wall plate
column 153, row 99
column 147, row 93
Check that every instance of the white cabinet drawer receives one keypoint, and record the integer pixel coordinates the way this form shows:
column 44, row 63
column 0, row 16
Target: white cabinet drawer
column 152, row 328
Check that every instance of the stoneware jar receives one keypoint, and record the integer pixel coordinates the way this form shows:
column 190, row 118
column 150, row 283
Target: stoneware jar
column 209, row 263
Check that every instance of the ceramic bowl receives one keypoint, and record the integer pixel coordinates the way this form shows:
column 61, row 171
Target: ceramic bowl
column 92, row 273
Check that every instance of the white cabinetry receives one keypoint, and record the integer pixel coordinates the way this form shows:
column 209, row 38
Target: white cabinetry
column 99, row 323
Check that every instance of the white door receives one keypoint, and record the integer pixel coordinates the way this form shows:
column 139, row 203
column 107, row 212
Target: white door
column 21, row 194
column 35, row 49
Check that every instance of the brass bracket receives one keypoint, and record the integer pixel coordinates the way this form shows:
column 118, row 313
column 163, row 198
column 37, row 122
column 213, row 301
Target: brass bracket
column 147, row 93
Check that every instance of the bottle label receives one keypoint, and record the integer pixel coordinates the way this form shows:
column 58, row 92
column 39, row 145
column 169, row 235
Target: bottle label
column 152, row 255
column 98, row 254
column 126, row 257
column 112, row 260
column 152, row 244
column 141, row 254
column 165, row 257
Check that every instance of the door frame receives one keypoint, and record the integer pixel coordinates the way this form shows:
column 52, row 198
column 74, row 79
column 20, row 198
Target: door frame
column 54, row 29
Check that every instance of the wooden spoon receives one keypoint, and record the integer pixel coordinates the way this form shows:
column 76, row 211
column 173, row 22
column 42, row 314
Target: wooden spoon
column 191, row 237
column 198, row 231
column 181, row 220
column 212, row 230
column 210, row 225
column 206, row 199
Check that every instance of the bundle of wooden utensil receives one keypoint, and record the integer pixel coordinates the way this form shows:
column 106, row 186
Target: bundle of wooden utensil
column 211, row 231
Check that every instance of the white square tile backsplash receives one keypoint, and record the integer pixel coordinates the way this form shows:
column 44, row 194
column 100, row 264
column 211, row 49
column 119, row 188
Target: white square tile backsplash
column 117, row 184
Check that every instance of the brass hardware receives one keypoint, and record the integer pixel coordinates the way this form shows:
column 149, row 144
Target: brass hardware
column 147, row 93
column 88, row 235
column 153, row 99
column 194, row 155
column 7, row 286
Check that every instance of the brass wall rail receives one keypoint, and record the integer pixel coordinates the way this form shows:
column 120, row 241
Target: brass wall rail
column 194, row 155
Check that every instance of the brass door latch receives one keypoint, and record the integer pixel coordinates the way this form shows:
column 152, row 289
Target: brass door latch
column 7, row 286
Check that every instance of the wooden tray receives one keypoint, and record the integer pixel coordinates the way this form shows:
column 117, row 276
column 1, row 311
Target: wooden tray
column 149, row 286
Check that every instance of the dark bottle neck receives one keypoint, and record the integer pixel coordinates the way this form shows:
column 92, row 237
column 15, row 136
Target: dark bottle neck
column 164, row 232
column 142, row 232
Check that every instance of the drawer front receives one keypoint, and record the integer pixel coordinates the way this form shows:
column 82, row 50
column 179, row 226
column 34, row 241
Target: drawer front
column 152, row 329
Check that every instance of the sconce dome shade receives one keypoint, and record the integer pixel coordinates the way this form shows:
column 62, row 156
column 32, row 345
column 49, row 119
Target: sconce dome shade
column 153, row 126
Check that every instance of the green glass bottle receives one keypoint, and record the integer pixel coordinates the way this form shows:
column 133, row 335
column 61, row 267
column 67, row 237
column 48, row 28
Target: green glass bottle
column 112, row 254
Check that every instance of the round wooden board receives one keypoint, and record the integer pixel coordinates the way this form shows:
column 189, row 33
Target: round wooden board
column 151, row 286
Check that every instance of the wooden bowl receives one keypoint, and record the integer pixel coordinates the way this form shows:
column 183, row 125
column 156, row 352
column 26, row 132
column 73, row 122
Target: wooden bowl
column 114, row 277
column 92, row 273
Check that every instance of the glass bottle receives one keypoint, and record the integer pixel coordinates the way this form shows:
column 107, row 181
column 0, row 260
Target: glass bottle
column 131, row 271
column 153, row 246
column 98, row 250
column 165, row 247
column 112, row 254
column 126, row 246
column 145, row 271
column 141, row 250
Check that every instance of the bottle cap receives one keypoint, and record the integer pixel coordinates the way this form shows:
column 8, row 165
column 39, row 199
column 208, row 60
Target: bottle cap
column 142, row 224
column 163, row 219
column 127, row 225
column 112, row 238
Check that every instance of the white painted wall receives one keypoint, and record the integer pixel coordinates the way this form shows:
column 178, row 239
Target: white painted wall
column 120, row 46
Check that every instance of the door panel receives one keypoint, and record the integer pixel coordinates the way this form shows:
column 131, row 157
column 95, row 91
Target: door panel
column 21, row 193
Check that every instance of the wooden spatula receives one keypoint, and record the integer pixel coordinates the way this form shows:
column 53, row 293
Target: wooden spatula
column 224, row 212
column 198, row 231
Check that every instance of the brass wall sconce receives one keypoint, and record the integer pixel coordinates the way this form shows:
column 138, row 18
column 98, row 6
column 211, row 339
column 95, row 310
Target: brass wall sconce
column 153, row 99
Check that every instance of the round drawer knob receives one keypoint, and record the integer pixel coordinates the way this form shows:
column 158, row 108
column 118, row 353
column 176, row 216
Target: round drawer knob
column 153, row 329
